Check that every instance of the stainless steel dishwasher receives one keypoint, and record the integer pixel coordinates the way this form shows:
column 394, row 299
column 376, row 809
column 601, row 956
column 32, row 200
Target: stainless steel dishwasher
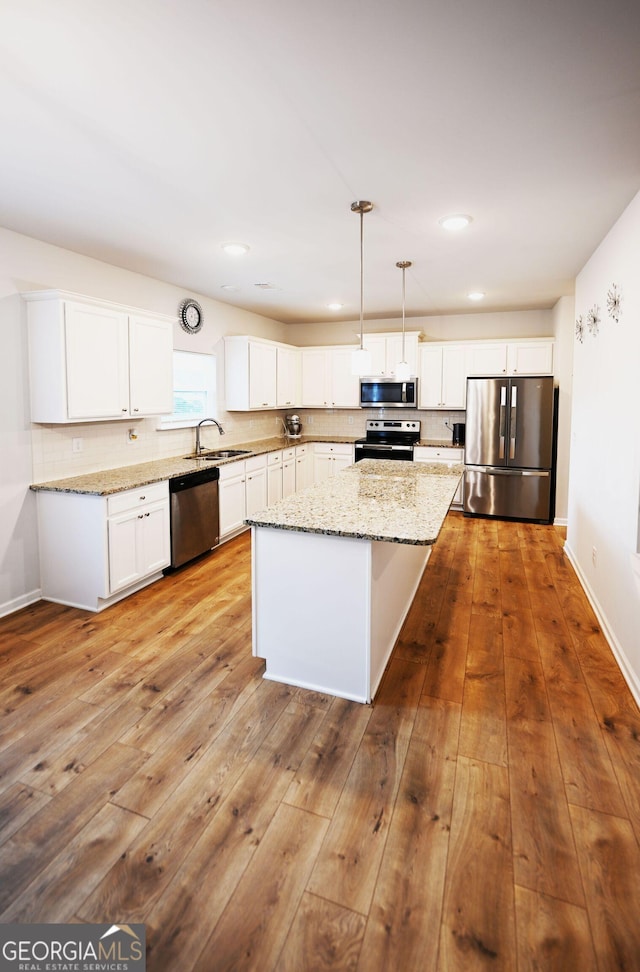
column 194, row 515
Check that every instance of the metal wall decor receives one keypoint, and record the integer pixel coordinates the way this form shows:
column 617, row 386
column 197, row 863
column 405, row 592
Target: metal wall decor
column 613, row 303
column 593, row 320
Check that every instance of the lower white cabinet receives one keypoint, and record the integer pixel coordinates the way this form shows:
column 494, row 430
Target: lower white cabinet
column 242, row 490
column 256, row 483
column 446, row 455
column 138, row 530
column 304, row 467
column 288, row 472
column 274, row 477
column 94, row 550
column 329, row 458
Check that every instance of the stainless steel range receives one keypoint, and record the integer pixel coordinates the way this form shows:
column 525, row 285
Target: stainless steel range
column 388, row 439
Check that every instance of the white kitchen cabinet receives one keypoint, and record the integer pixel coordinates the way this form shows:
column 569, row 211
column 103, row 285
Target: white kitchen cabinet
column 443, row 376
column 304, row 467
column 255, row 483
column 250, row 368
column 327, row 380
column 486, row 358
column 442, row 455
column 232, row 498
column 288, row 472
column 138, row 529
column 329, row 458
column 93, row 360
column 386, row 352
column 95, row 550
column 530, row 358
column 287, row 377
column 274, row 477
column 345, row 388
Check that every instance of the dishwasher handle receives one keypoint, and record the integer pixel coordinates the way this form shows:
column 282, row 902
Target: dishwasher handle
column 189, row 480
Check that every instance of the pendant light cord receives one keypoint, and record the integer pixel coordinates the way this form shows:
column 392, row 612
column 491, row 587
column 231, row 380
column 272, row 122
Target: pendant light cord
column 403, row 264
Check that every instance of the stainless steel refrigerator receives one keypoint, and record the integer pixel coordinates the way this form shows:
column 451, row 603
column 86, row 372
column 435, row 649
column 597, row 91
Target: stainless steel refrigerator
column 510, row 448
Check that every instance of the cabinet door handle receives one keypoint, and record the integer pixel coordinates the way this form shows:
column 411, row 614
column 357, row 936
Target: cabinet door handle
column 136, row 410
column 147, row 514
column 142, row 497
column 124, row 409
column 140, row 515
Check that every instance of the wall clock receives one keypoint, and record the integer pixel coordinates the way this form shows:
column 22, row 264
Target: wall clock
column 190, row 316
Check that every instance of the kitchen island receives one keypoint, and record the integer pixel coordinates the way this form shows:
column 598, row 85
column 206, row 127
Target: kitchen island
column 336, row 567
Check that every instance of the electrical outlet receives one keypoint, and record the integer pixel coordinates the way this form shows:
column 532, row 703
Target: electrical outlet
column 77, row 444
column 350, row 420
column 594, row 556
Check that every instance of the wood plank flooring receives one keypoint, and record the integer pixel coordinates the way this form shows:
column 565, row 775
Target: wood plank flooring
column 483, row 813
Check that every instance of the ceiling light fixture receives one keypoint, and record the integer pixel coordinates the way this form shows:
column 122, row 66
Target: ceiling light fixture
column 235, row 249
column 335, row 306
column 476, row 295
column 361, row 359
column 456, row 222
column 403, row 372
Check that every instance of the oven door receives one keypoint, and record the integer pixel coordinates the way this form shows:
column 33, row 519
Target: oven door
column 383, row 450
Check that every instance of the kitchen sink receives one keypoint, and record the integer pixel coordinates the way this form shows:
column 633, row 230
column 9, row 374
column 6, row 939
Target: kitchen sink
column 225, row 453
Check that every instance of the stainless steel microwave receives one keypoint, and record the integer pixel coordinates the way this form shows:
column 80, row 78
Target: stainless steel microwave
column 388, row 393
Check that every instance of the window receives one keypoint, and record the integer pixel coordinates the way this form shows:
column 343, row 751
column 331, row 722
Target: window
column 194, row 390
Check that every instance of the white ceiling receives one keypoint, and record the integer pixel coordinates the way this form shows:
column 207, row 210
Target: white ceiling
column 145, row 133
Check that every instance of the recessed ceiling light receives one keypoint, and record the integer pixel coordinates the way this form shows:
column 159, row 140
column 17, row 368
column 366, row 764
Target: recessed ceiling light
column 456, row 222
column 335, row 306
column 476, row 295
column 235, row 249
column 227, row 287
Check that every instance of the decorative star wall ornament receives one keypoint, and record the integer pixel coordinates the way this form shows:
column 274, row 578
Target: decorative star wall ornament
column 613, row 303
column 593, row 320
column 580, row 329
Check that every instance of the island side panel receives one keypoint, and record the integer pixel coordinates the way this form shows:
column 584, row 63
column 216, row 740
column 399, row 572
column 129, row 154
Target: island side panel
column 312, row 610
column 396, row 570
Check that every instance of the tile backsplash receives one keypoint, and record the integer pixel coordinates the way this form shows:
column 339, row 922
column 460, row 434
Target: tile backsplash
column 70, row 450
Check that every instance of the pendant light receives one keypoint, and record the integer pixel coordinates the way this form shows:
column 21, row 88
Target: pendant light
column 361, row 359
column 403, row 371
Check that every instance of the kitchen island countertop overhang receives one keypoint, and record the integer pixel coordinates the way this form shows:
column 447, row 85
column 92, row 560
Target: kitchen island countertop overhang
column 346, row 556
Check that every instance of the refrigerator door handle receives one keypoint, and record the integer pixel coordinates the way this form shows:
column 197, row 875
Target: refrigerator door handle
column 500, row 471
column 503, row 419
column 513, row 421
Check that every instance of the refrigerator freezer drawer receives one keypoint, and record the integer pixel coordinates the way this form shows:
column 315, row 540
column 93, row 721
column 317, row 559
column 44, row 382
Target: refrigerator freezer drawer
column 519, row 494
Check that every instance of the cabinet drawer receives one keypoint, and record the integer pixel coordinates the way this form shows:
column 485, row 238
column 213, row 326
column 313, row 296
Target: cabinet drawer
column 274, row 458
column 131, row 498
column 433, row 454
column 288, row 454
column 229, row 470
column 255, row 463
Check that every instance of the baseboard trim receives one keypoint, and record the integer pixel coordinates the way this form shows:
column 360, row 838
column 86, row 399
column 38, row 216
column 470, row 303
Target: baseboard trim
column 628, row 673
column 25, row 600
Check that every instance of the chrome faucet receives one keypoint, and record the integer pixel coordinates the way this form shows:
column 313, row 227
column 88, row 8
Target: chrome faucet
column 198, row 426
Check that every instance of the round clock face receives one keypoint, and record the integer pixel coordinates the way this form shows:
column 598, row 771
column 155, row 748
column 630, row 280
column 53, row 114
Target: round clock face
column 191, row 316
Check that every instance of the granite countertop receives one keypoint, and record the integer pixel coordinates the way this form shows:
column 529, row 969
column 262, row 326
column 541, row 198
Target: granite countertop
column 399, row 502
column 108, row 481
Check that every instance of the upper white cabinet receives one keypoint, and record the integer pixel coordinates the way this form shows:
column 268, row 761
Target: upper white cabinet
column 250, row 369
column 92, row 360
column 386, row 352
column 530, row 358
column 533, row 357
column 327, row 381
column 260, row 374
column 287, row 377
column 443, row 376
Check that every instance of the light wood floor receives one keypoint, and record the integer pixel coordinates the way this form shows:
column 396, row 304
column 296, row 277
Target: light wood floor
column 483, row 813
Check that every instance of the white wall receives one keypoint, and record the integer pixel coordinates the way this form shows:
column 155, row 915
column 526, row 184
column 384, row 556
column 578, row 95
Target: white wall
column 563, row 317
column 19, row 567
column 604, row 479
column 452, row 327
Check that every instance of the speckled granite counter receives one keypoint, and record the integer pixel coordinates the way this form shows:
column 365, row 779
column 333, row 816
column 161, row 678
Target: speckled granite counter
column 398, row 502
column 107, row 481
